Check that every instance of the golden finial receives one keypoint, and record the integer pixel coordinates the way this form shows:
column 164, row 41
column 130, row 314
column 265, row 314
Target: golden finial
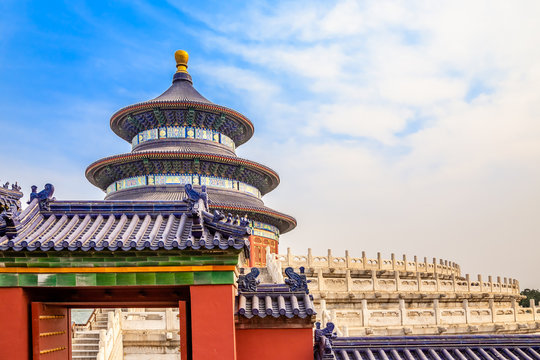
column 181, row 57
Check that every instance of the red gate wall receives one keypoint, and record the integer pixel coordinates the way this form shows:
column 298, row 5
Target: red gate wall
column 271, row 344
column 14, row 324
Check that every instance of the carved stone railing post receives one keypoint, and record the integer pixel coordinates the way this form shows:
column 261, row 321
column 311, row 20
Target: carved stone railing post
column 102, row 342
column 436, row 311
column 348, row 280
column 309, row 258
column 170, row 319
column 426, row 264
column 466, row 310
column 490, row 281
column 325, row 316
column 468, row 279
column 419, row 281
column 393, row 259
column 320, row 280
column 481, row 283
column 374, row 279
column 365, row 313
column 454, row 285
column 330, row 260
column 405, row 262
column 415, row 263
column 514, row 308
column 437, row 281
column 492, row 310
column 396, row 277
column 434, row 265
column 499, row 283
column 364, row 260
column 402, row 312
column 347, row 259
column 379, row 261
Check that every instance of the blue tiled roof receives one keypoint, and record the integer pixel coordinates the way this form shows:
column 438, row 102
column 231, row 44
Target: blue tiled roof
column 275, row 301
column 459, row 347
column 115, row 225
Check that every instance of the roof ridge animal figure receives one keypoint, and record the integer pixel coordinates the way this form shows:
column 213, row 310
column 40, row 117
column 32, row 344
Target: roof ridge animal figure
column 44, row 196
column 297, row 282
column 249, row 282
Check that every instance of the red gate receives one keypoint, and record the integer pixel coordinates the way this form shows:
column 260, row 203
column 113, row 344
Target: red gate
column 51, row 338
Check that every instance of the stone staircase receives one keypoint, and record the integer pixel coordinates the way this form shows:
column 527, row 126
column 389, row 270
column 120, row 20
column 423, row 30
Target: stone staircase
column 85, row 342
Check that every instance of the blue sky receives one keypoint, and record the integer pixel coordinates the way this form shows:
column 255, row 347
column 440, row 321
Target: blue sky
column 399, row 127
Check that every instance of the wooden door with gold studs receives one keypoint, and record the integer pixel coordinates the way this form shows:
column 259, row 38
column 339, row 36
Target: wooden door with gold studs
column 50, row 332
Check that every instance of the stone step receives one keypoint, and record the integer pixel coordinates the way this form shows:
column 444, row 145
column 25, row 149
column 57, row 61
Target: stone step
column 86, row 346
column 87, row 336
column 85, row 352
column 85, row 343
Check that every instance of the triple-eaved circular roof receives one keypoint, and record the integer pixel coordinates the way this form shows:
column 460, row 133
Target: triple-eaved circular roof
column 182, row 106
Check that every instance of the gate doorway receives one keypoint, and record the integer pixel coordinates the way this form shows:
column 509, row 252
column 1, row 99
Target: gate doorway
column 125, row 333
column 51, row 321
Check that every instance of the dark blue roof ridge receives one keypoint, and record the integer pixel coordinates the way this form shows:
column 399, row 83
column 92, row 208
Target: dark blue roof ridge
column 447, row 347
column 285, row 304
column 110, row 225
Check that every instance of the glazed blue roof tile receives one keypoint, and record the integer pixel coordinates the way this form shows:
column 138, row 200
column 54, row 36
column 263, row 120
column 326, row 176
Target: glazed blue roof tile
column 119, row 225
column 458, row 347
column 275, row 300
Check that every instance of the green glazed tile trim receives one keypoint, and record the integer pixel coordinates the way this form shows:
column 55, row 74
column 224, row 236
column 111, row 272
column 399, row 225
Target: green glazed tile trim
column 27, row 279
column 46, row 279
column 66, row 280
column 222, row 277
column 103, row 279
column 86, row 279
column 145, row 278
column 184, row 278
column 117, row 279
column 8, row 280
column 203, row 278
column 124, row 279
column 114, row 259
column 165, row 279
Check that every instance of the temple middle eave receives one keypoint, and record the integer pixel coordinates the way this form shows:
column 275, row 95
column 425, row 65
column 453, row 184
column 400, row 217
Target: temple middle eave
column 107, row 171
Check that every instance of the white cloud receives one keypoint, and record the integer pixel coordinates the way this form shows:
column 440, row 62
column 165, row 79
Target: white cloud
column 462, row 185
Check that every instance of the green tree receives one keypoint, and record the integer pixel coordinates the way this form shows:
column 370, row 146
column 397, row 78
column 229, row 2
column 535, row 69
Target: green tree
column 530, row 294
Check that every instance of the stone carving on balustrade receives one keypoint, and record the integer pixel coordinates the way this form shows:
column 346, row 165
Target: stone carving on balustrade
column 468, row 318
column 331, row 262
column 404, row 297
column 324, row 280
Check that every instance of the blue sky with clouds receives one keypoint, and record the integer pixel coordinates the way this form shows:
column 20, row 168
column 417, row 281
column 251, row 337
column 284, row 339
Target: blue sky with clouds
column 406, row 127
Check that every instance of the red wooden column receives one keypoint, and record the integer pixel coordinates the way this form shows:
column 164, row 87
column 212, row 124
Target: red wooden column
column 15, row 336
column 212, row 322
